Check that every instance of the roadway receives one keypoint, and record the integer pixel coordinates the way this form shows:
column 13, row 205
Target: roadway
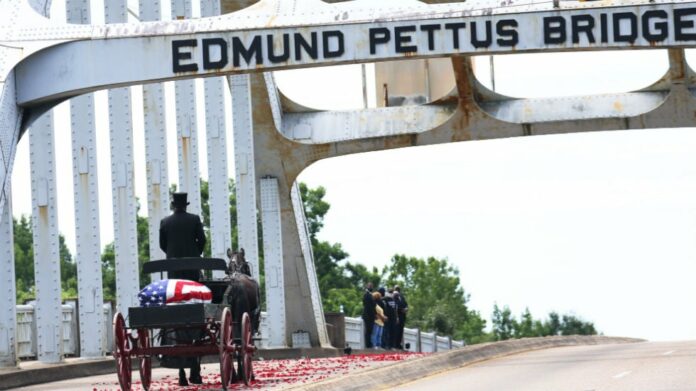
column 649, row 366
column 642, row 366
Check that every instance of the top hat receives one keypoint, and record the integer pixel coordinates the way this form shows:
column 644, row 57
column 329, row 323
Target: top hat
column 179, row 199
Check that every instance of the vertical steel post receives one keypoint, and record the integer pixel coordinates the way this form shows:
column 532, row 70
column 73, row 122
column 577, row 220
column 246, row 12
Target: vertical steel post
column 273, row 261
column 306, row 245
column 245, row 173
column 155, row 146
column 10, row 125
column 187, row 125
column 10, row 120
column 8, row 303
column 122, row 188
column 88, row 252
column 47, row 311
column 216, row 136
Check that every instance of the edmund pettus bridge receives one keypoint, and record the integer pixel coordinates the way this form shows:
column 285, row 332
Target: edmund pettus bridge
column 426, row 94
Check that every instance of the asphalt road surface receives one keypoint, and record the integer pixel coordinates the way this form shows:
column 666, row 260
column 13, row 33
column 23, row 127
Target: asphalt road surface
column 649, row 366
column 646, row 366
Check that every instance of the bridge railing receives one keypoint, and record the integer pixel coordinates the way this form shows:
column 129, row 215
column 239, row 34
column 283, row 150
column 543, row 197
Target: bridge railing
column 415, row 339
column 428, row 342
column 26, row 330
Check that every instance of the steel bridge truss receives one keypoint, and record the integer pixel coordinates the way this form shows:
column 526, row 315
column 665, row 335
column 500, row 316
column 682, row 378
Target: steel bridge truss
column 43, row 63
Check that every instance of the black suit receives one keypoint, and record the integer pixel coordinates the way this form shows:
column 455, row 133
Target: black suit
column 368, row 316
column 181, row 235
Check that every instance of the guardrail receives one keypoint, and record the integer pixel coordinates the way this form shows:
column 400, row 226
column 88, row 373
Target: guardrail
column 415, row 340
column 26, row 330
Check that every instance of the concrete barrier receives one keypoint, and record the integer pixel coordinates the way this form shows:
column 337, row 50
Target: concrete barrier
column 389, row 376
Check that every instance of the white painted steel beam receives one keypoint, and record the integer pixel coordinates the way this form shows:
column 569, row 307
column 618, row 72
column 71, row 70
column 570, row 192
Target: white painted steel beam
column 218, row 177
column 8, row 302
column 46, row 245
column 10, row 126
column 273, row 40
column 273, row 262
column 86, row 188
column 122, row 182
column 154, row 111
column 10, row 118
column 187, row 126
column 245, row 172
column 308, row 260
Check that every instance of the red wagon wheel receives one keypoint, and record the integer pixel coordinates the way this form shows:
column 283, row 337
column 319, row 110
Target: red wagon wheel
column 248, row 349
column 122, row 352
column 226, row 348
column 145, row 359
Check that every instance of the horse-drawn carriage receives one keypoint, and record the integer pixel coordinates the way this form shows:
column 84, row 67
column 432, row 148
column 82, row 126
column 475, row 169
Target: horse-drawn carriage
column 223, row 327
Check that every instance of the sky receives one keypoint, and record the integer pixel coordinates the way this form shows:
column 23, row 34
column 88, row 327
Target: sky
column 601, row 225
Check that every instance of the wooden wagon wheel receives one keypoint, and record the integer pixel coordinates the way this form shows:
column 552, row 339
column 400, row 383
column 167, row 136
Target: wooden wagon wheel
column 122, row 352
column 145, row 360
column 226, row 347
column 247, row 353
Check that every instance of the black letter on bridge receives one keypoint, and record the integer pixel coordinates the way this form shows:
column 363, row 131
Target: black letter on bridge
column 178, row 55
column 207, row 62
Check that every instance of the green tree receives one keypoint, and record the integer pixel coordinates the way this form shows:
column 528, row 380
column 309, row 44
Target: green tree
column 68, row 270
column 334, row 281
column 553, row 325
column 505, row 326
column 435, row 296
column 24, row 262
column 315, row 208
column 525, row 327
column 24, row 259
column 503, row 323
column 573, row 325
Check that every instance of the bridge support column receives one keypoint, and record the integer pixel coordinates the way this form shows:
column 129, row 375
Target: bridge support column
column 10, row 119
column 155, row 147
column 187, row 125
column 303, row 301
column 8, row 303
column 216, row 136
column 308, row 260
column 273, row 262
column 122, row 186
column 245, row 169
column 47, row 311
column 86, row 188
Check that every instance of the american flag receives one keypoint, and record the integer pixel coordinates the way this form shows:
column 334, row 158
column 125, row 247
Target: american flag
column 167, row 292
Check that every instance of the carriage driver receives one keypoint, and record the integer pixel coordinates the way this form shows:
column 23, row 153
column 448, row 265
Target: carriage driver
column 181, row 235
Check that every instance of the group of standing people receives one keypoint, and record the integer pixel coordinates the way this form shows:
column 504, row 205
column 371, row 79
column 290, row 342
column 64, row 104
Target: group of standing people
column 384, row 315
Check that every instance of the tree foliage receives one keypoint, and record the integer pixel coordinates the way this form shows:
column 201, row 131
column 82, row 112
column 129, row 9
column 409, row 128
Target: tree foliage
column 436, row 299
column 24, row 263
column 108, row 259
column 505, row 326
column 339, row 280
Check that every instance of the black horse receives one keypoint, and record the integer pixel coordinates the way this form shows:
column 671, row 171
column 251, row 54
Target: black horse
column 242, row 294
